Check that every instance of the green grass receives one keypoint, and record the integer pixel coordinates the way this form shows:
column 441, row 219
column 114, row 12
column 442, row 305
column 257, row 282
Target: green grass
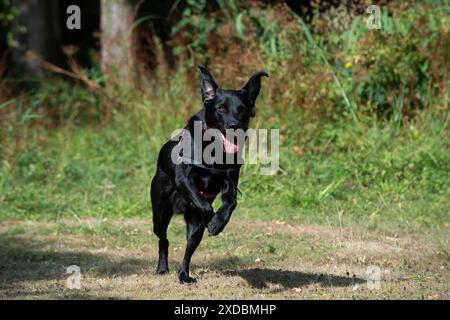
column 370, row 174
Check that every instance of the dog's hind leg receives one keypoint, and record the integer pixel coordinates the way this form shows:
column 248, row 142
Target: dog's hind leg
column 160, row 223
column 162, row 213
column 195, row 230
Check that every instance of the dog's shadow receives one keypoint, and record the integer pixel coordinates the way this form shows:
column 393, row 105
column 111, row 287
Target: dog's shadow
column 261, row 278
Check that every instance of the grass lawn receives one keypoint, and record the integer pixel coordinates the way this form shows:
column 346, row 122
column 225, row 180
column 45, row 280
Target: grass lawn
column 252, row 259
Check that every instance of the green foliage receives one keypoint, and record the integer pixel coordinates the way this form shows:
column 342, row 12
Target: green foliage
column 8, row 13
column 393, row 67
column 194, row 26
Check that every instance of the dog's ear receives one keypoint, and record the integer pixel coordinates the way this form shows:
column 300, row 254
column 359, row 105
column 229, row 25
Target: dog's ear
column 253, row 86
column 208, row 85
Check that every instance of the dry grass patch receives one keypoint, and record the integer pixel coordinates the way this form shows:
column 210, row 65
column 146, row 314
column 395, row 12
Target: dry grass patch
column 250, row 260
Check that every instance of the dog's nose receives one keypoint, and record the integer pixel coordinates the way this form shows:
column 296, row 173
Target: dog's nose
column 232, row 125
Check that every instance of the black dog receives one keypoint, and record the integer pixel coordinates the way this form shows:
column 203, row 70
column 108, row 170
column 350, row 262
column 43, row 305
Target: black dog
column 191, row 187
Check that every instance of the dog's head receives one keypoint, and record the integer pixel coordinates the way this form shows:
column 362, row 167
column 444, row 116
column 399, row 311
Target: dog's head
column 229, row 109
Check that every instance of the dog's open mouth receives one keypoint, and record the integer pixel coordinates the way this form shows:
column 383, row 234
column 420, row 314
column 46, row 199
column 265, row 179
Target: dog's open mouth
column 229, row 146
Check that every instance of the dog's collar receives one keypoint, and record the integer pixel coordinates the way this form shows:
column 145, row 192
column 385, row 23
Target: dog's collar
column 210, row 169
column 208, row 195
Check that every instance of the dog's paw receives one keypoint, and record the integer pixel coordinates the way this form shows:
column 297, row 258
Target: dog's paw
column 184, row 277
column 162, row 267
column 216, row 225
column 162, row 270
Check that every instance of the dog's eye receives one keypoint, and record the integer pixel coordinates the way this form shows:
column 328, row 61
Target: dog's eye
column 222, row 109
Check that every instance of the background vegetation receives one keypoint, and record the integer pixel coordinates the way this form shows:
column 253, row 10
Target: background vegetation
column 363, row 114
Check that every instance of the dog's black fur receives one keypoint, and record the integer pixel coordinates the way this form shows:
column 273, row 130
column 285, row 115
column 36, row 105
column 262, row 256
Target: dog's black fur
column 182, row 187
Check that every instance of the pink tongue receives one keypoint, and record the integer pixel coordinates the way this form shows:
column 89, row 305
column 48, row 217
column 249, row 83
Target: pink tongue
column 229, row 147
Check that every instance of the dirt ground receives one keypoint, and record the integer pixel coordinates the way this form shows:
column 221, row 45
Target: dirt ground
column 250, row 260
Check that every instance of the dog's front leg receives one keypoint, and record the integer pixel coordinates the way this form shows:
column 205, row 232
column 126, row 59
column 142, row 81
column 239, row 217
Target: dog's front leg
column 185, row 185
column 223, row 215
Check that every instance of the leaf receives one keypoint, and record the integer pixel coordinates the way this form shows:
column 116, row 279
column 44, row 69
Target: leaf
column 179, row 26
column 240, row 24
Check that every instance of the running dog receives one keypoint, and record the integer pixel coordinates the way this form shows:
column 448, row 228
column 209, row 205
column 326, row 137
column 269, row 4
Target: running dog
column 191, row 186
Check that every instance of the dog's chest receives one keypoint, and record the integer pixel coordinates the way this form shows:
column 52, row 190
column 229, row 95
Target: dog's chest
column 207, row 182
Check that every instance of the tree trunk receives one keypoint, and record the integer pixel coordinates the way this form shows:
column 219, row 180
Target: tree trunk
column 37, row 28
column 117, row 53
